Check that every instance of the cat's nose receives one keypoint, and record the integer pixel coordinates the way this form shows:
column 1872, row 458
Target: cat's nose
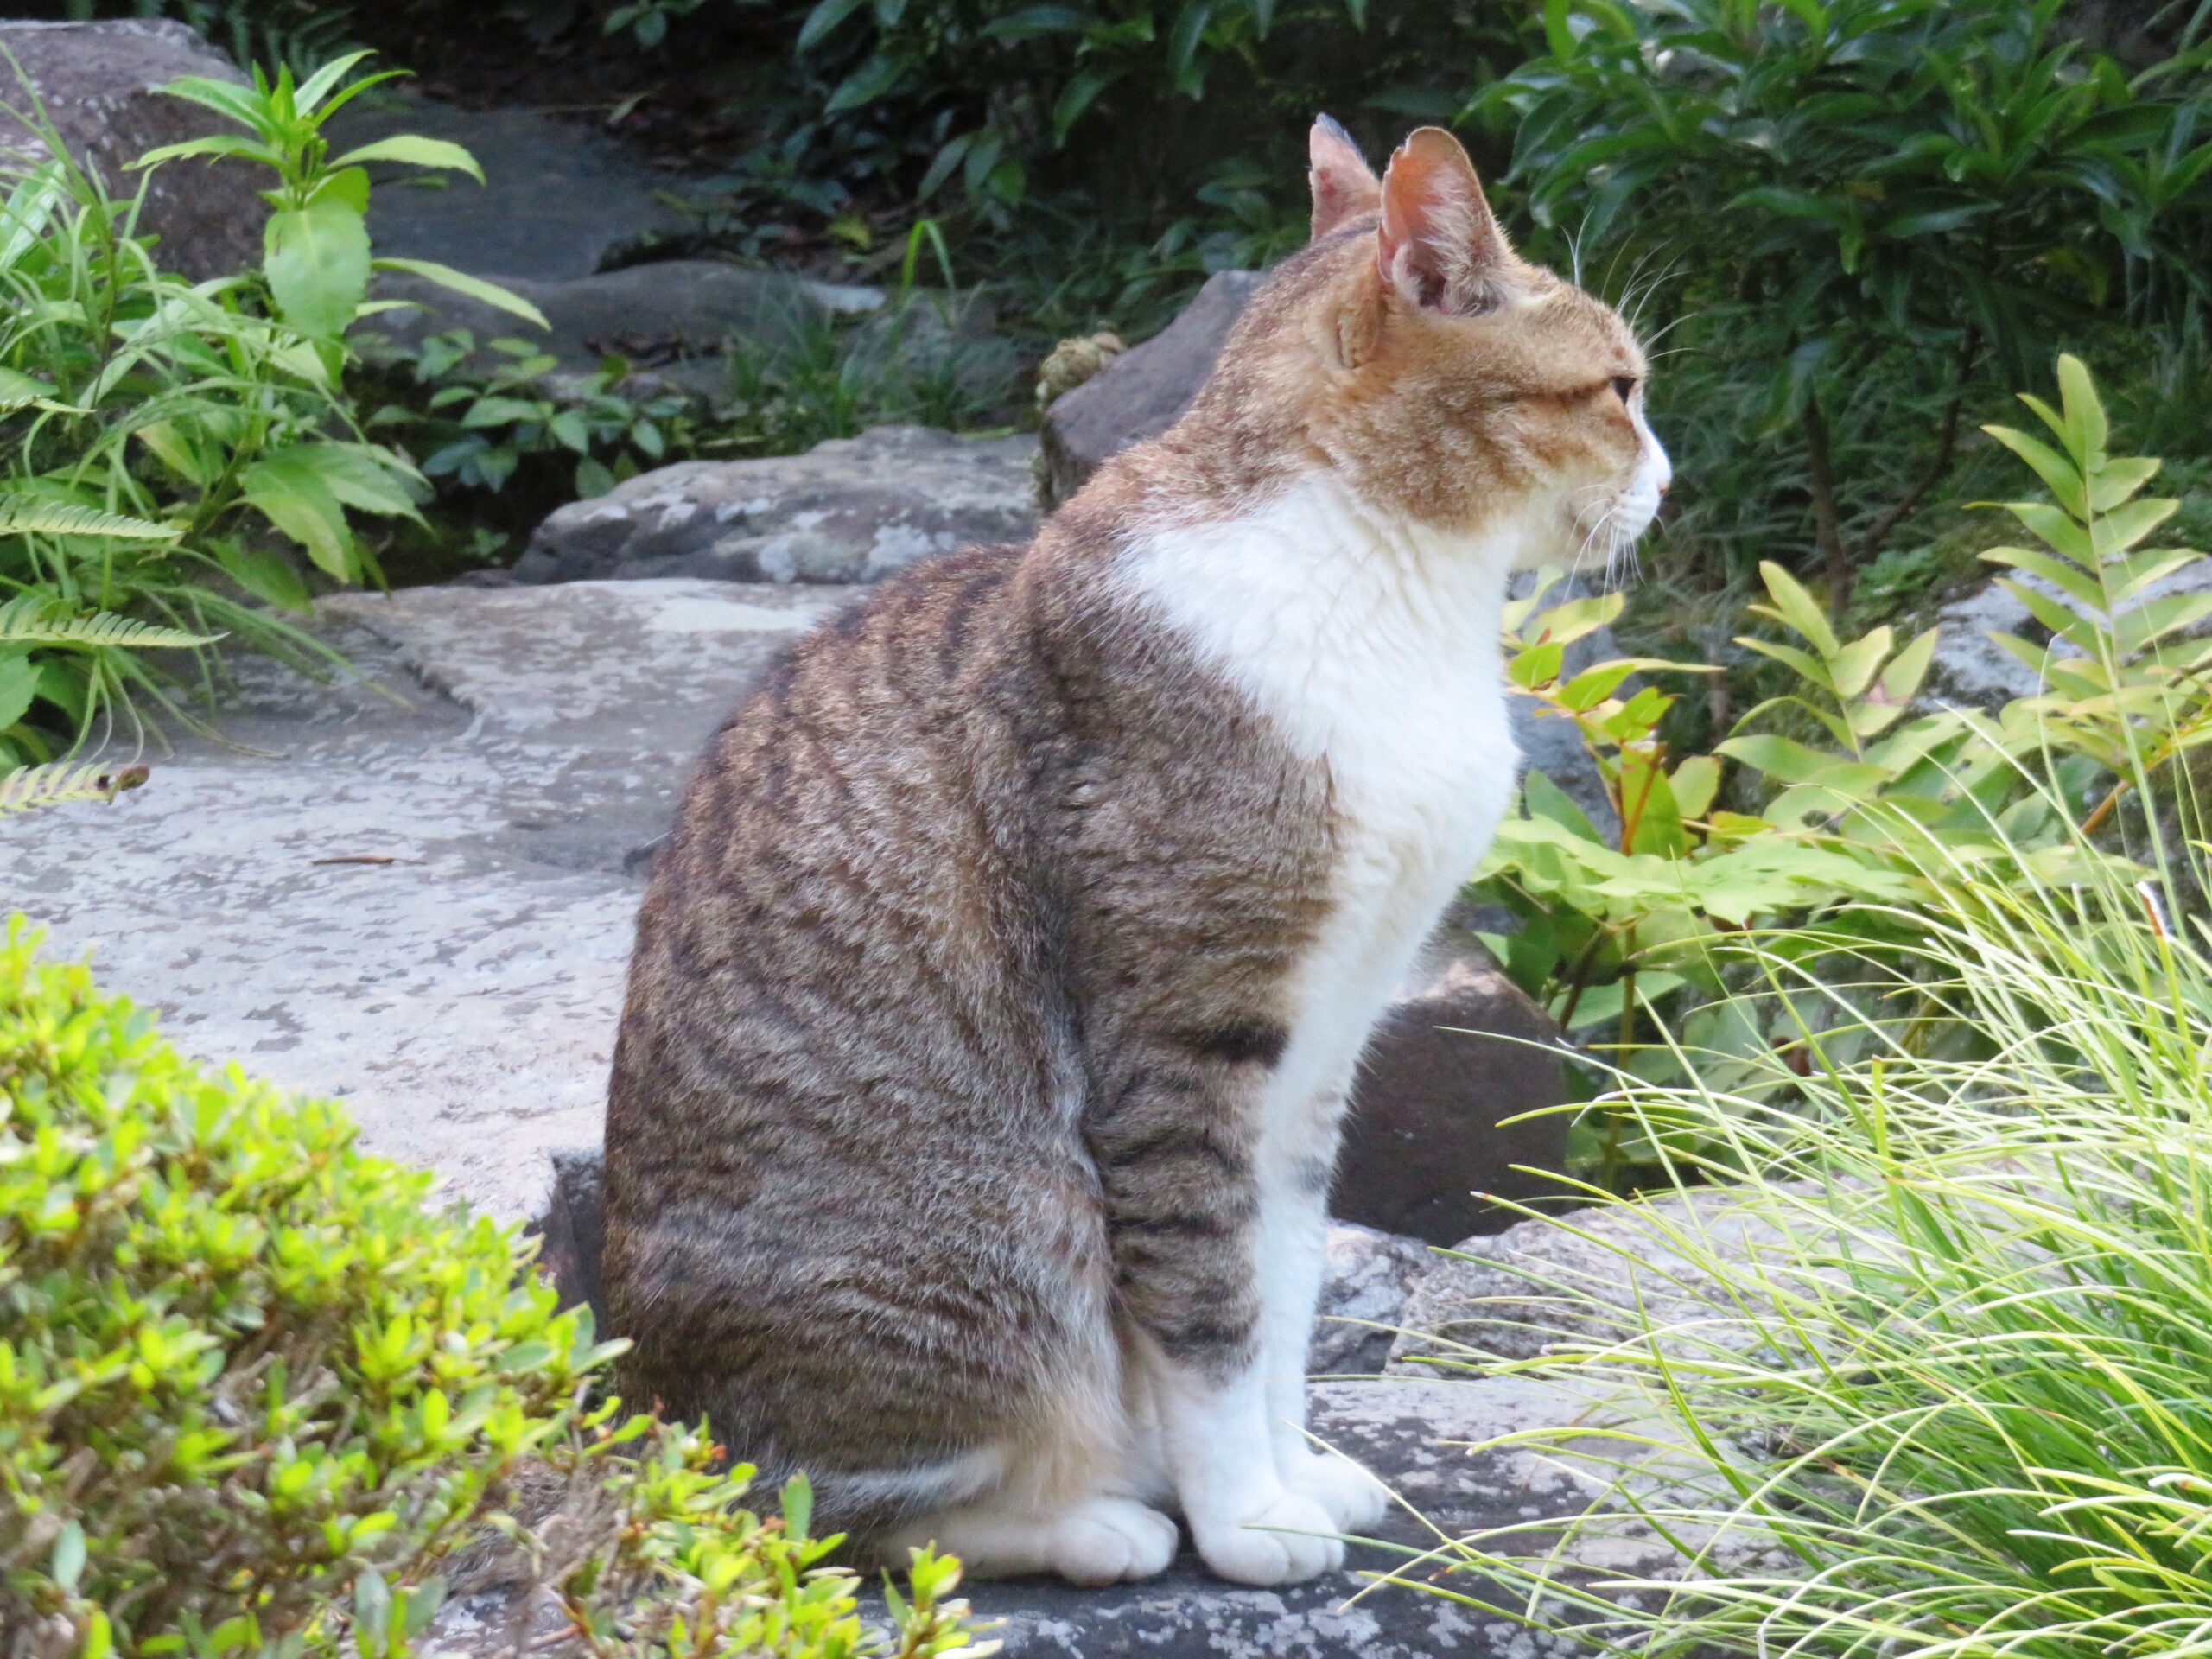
column 1665, row 485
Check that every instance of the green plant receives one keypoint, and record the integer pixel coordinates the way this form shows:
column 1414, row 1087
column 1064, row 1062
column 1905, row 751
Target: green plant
column 304, row 34
column 1869, row 217
column 1622, row 929
column 476, row 428
column 316, row 261
column 1952, row 1404
column 257, row 1388
column 158, row 437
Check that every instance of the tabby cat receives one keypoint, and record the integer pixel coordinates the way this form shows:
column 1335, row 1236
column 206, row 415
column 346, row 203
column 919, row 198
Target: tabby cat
column 996, row 1000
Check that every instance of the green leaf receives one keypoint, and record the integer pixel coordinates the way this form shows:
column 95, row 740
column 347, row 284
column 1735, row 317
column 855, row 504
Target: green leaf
column 2087, row 429
column 413, row 150
column 799, row 1505
column 1900, row 681
column 2122, row 528
column 1032, row 21
column 1081, row 92
column 317, row 85
column 227, row 98
column 1546, row 799
column 19, row 678
column 2060, row 475
column 824, row 18
column 317, row 260
column 265, row 574
column 1594, row 684
column 865, row 84
column 217, row 143
column 1795, row 607
column 1695, row 782
column 29, row 515
column 2119, row 478
column 2067, row 578
column 69, row 1548
column 1182, row 42
column 295, row 498
column 1854, row 666
column 475, row 288
column 1792, row 762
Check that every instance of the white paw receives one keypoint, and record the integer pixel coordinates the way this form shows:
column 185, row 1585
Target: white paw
column 1112, row 1541
column 1353, row 1499
column 1288, row 1537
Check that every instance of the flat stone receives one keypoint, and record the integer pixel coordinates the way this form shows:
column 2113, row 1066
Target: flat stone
column 558, row 197
column 850, row 509
column 679, row 315
column 1584, row 1278
column 1144, row 391
column 99, row 84
column 500, row 771
column 1420, row 1435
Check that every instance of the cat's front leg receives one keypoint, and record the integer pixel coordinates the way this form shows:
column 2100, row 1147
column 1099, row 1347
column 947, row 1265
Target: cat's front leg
column 1179, row 1162
column 1296, row 1175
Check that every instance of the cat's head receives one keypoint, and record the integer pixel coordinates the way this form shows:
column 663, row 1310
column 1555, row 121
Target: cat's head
column 1459, row 387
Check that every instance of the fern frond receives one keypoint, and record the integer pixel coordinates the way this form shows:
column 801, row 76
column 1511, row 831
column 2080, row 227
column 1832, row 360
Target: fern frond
column 28, row 788
column 34, row 620
column 26, row 514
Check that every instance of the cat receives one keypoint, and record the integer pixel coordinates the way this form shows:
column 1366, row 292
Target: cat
column 996, row 997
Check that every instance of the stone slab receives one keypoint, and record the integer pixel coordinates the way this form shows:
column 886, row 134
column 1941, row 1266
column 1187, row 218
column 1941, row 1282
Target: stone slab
column 850, row 509
column 507, row 757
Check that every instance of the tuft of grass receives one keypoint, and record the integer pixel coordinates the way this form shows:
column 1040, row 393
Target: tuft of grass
column 1963, row 1410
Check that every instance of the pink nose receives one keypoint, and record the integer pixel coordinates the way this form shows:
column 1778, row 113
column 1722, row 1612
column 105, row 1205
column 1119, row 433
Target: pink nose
column 1668, row 486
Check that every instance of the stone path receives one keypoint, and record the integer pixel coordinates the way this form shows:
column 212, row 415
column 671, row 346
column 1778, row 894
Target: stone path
column 498, row 774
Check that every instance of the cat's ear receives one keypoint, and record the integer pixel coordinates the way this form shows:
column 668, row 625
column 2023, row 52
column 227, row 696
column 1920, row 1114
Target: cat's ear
column 1439, row 246
column 1344, row 187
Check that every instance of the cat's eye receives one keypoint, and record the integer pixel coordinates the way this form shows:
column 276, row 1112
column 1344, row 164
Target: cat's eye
column 1624, row 386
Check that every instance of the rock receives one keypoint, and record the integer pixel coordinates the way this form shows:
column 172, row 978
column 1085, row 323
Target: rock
column 1143, row 391
column 1423, row 1436
column 514, row 754
column 1370, row 1277
column 559, row 198
column 1582, row 1278
column 675, row 318
column 1972, row 669
column 1462, row 1050
column 1405, row 1430
column 850, row 509
column 99, row 85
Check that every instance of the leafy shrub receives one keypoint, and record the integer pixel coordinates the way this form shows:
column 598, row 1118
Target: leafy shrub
column 476, row 428
column 257, row 1389
column 160, row 439
column 1867, row 218
column 1956, row 1404
column 1621, row 928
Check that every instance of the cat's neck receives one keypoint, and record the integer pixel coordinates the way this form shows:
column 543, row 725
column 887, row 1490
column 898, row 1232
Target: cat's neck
column 1330, row 614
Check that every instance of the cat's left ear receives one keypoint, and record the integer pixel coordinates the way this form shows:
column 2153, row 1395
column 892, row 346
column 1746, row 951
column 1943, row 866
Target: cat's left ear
column 1439, row 245
column 1344, row 187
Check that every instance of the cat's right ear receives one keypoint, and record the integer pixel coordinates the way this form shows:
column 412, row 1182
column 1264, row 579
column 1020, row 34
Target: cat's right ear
column 1344, row 187
column 1439, row 245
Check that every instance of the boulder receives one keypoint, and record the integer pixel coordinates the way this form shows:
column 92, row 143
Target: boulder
column 1972, row 669
column 1144, row 391
column 99, row 84
column 675, row 318
column 1429, row 1147
column 560, row 200
column 850, row 509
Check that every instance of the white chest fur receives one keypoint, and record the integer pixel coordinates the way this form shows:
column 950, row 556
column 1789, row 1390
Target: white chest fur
column 1372, row 645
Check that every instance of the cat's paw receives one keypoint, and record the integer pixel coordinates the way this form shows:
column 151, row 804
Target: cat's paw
column 1287, row 1537
column 1112, row 1541
column 1353, row 1499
